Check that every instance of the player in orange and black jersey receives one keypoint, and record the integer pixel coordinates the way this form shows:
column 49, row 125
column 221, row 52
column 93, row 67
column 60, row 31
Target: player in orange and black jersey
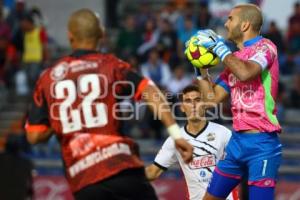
column 77, row 98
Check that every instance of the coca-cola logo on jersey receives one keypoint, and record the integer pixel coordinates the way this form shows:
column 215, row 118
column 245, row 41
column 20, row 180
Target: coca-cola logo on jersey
column 203, row 161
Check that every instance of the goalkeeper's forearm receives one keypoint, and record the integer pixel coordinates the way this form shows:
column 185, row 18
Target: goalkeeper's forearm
column 208, row 93
column 207, row 87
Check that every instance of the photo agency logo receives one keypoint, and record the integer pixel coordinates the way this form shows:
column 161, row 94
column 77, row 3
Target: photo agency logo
column 85, row 102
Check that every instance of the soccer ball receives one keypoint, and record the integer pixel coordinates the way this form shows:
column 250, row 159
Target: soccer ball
column 200, row 56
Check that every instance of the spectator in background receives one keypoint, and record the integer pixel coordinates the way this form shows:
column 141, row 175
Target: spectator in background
column 150, row 36
column 293, row 39
column 295, row 18
column 35, row 51
column 167, row 42
column 5, row 8
column 179, row 80
column 186, row 11
column 15, row 16
column 159, row 72
column 5, row 29
column 105, row 45
column 37, row 17
column 8, row 55
column 295, row 92
column 170, row 12
column 281, row 101
column 144, row 13
column 8, row 62
column 156, row 69
column 204, row 16
column 185, row 34
column 129, row 38
column 274, row 34
column 177, row 83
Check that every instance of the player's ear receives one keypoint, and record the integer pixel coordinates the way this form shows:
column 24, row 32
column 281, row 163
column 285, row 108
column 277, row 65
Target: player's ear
column 245, row 26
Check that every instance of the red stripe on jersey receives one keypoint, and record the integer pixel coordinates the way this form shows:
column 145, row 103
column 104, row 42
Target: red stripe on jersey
column 36, row 128
column 142, row 85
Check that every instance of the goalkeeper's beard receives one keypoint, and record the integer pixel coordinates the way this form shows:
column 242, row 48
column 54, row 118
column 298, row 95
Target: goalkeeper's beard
column 235, row 35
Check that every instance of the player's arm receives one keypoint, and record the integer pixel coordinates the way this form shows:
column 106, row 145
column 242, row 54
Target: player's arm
column 38, row 136
column 243, row 70
column 37, row 125
column 165, row 158
column 145, row 89
column 212, row 93
column 160, row 107
column 153, row 172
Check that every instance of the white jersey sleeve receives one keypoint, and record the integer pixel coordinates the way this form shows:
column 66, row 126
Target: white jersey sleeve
column 166, row 155
column 260, row 58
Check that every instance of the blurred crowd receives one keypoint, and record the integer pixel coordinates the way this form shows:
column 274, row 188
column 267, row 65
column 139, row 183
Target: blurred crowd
column 23, row 47
column 151, row 37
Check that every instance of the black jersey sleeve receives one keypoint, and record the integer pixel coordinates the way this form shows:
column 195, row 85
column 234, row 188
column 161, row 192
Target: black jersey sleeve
column 130, row 83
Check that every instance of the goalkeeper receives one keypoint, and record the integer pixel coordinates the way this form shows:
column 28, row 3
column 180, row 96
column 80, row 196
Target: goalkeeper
column 250, row 77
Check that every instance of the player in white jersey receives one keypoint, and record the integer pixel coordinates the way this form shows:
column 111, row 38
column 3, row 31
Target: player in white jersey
column 208, row 139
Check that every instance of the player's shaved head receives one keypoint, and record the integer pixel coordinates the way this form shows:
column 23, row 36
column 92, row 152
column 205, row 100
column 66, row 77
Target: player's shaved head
column 251, row 13
column 84, row 25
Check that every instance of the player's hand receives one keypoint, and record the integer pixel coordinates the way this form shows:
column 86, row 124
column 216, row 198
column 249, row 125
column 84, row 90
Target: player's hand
column 221, row 49
column 206, row 38
column 185, row 149
column 213, row 42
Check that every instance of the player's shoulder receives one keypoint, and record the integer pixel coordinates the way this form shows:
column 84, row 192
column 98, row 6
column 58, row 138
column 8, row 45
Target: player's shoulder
column 57, row 70
column 218, row 128
column 115, row 61
column 265, row 45
column 44, row 75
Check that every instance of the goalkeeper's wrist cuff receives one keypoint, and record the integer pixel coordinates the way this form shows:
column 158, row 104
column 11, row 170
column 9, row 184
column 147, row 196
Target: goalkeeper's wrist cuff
column 174, row 131
column 222, row 50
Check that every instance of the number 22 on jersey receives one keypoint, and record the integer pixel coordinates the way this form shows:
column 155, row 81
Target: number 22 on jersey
column 70, row 118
